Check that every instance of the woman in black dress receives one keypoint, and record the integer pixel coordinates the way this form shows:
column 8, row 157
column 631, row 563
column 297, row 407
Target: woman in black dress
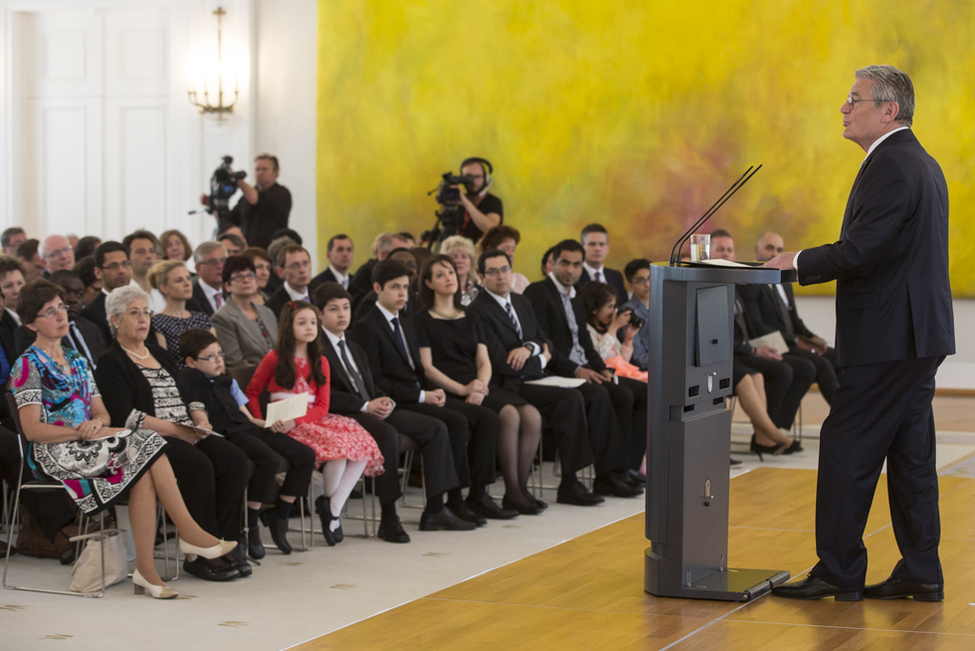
column 455, row 358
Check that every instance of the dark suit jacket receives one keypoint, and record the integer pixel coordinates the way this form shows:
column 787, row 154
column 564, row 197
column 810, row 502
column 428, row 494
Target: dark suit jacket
column 768, row 301
column 893, row 296
column 390, row 368
column 24, row 337
column 222, row 410
column 8, row 326
column 124, row 388
column 281, row 296
column 344, row 399
column 502, row 337
column 326, row 277
column 198, row 302
column 361, row 283
column 95, row 312
column 544, row 296
column 611, row 277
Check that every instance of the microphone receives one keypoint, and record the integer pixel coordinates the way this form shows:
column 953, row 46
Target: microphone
column 742, row 180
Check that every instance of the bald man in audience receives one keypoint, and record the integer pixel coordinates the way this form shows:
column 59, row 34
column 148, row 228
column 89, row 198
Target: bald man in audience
column 57, row 252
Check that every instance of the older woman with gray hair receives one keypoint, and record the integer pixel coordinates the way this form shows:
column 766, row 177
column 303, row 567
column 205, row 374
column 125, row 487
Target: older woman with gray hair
column 461, row 252
column 143, row 389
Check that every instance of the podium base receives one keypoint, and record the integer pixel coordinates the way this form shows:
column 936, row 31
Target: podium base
column 732, row 584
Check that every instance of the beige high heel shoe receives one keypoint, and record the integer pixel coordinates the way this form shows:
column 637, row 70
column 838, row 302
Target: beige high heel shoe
column 216, row 551
column 155, row 591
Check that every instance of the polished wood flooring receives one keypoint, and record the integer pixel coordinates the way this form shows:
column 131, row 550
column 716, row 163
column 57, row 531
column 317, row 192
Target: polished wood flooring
column 587, row 593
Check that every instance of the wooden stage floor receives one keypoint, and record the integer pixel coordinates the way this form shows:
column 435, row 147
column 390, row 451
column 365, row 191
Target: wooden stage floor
column 587, row 593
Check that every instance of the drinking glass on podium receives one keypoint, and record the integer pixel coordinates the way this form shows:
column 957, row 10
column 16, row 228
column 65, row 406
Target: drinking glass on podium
column 700, row 247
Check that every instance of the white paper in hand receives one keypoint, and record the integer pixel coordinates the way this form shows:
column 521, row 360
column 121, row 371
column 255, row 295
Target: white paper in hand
column 294, row 407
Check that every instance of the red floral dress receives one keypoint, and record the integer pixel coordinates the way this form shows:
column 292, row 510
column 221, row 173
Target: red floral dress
column 331, row 436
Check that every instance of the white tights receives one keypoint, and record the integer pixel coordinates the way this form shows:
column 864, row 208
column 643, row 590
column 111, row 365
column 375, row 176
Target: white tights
column 341, row 476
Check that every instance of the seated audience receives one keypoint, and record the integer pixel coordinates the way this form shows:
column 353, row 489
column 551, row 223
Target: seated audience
column 595, row 242
column 208, row 294
column 72, row 441
column 86, row 247
column 455, row 358
column 225, row 404
column 276, row 278
column 262, row 267
column 175, row 246
column 11, row 283
column 297, row 366
column 144, row 251
column 519, row 353
column 394, row 361
column 548, row 262
column 12, row 238
column 143, row 389
column 30, row 257
column 506, row 238
column 637, row 274
column 749, row 386
column 113, row 268
column 407, row 258
column 461, row 251
column 294, row 263
column 246, row 330
column 233, row 243
column 380, row 249
column 85, row 268
column 339, row 252
column 171, row 279
column 354, row 394
column 598, row 302
column 561, row 319
column 57, row 253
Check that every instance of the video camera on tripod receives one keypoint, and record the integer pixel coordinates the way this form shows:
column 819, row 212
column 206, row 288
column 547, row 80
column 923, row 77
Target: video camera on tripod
column 223, row 185
column 450, row 215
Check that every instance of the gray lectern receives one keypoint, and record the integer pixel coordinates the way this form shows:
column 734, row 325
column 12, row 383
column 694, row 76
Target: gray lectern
column 691, row 326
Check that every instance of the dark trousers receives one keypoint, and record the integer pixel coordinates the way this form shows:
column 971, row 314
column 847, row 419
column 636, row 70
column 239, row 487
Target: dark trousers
column 604, row 402
column 825, row 374
column 51, row 509
column 882, row 411
column 211, row 476
column 637, row 436
column 265, row 449
column 430, row 436
column 786, row 382
column 565, row 410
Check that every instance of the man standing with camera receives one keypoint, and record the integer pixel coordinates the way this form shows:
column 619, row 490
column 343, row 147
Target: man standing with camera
column 265, row 206
column 482, row 210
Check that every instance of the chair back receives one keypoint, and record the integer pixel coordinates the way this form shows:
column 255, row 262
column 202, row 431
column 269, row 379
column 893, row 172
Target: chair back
column 15, row 416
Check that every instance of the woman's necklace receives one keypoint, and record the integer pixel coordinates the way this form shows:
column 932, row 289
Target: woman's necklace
column 135, row 354
column 452, row 315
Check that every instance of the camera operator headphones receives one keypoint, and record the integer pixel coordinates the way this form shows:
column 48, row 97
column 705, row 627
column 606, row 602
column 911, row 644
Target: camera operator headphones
column 486, row 167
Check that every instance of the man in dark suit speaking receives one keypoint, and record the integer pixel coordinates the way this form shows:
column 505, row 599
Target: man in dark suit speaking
column 894, row 327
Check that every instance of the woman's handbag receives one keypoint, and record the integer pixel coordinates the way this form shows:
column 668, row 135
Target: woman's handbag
column 87, row 573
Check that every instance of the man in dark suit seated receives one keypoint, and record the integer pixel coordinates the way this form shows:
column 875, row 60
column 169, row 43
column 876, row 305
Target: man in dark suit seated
column 208, row 290
column 562, row 320
column 777, row 306
column 381, row 247
column 294, row 263
column 894, row 327
column 354, row 394
column 339, row 252
column 83, row 335
column 394, row 361
column 520, row 353
column 595, row 242
column 408, row 260
column 112, row 266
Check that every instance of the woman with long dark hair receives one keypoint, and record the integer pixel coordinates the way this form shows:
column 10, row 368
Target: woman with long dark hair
column 455, row 358
column 297, row 365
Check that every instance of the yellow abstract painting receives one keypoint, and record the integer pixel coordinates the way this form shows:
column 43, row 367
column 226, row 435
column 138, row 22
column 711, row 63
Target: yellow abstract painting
column 636, row 115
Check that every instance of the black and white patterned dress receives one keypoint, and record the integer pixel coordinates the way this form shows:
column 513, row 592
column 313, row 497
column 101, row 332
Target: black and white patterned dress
column 166, row 400
column 172, row 327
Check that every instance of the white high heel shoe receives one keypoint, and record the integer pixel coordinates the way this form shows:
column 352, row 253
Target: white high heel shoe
column 155, row 591
column 218, row 550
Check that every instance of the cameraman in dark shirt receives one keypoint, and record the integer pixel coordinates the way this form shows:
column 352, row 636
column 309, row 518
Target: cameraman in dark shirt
column 482, row 210
column 265, row 206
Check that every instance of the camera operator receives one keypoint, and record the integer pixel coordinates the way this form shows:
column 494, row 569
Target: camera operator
column 265, row 206
column 482, row 210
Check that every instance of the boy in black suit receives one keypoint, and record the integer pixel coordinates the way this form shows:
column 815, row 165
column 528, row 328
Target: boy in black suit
column 225, row 405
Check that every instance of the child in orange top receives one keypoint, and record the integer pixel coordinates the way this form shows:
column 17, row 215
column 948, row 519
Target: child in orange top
column 296, row 365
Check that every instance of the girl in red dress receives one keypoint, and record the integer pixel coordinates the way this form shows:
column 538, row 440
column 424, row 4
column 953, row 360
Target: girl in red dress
column 296, row 365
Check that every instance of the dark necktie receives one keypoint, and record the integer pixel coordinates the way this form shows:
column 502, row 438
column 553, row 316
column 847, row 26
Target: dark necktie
column 511, row 315
column 79, row 344
column 357, row 383
column 789, row 332
column 399, row 337
column 598, row 277
column 740, row 319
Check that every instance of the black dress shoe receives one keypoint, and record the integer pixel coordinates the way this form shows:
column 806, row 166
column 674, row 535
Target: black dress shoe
column 795, row 446
column 526, row 509
column 815, row 588
column 238, row 559
column 539, row 503
column 635, row 476
column 611, row 484
column 279, row 534
column 575, row 493
column 894, row 588
column 444, row 521
column 487, row 507
column 735, row 462
column 323, row 506
column 206, row 570
column 255, row 548
column 392, row 531
column 463, row 512
column 337, row 532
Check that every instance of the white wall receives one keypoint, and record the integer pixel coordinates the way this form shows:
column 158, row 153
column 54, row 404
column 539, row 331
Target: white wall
column 957, row 371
